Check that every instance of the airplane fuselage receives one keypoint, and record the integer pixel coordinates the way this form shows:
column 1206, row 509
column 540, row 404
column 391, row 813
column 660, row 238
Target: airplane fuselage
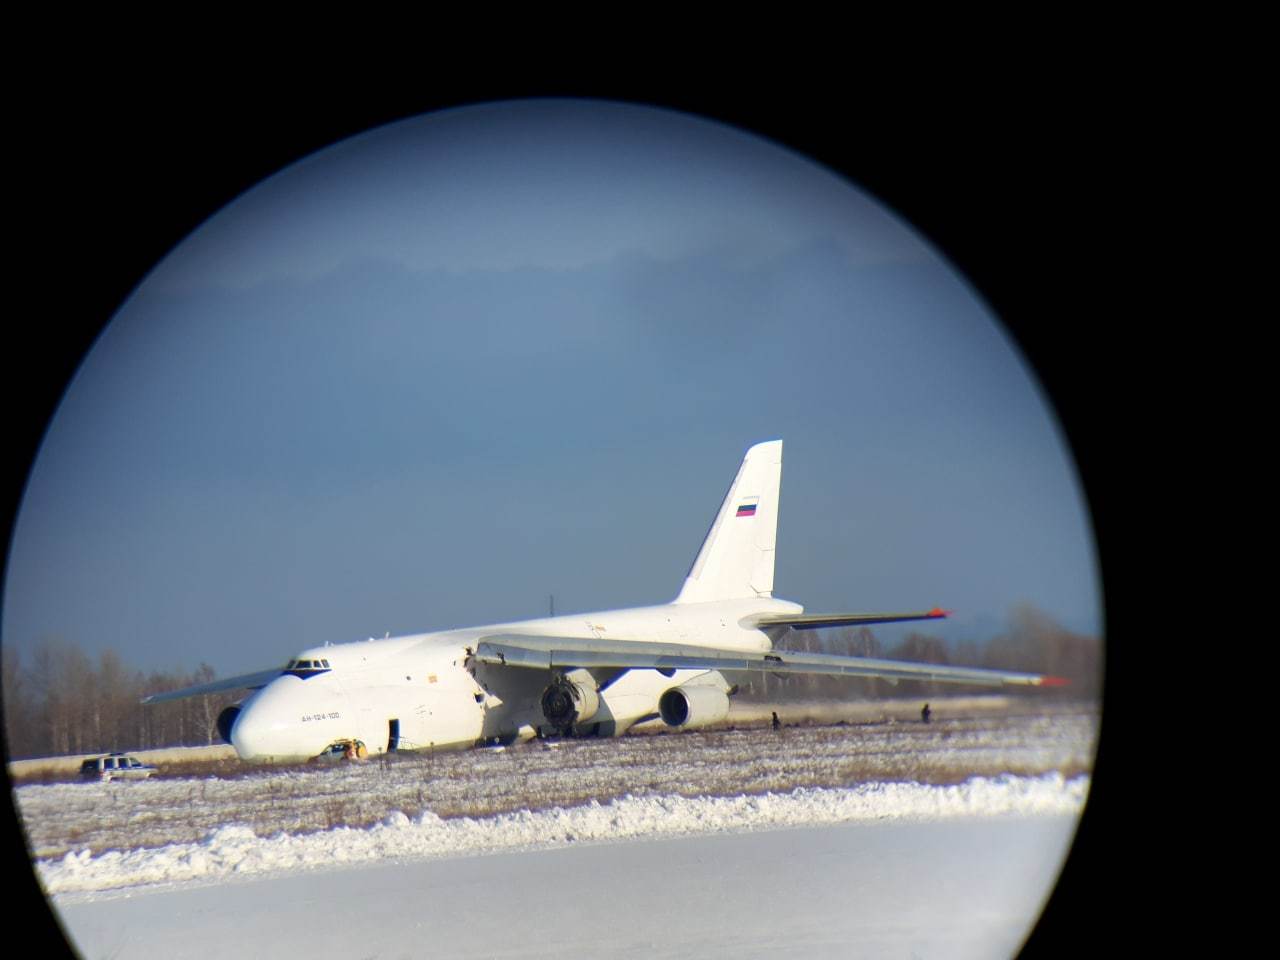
column 425, row 691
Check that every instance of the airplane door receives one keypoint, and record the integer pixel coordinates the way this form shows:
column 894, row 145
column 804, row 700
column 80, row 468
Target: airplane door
column 393, row 735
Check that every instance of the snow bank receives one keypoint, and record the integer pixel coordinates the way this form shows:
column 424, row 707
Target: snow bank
column 236, row 851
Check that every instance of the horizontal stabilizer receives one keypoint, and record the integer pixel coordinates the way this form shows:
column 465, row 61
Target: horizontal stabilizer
column 814, row 621
column 248, row 681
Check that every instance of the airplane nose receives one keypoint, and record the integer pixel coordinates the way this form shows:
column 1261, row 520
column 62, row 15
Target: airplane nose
column 250, row 735
column 266, row 724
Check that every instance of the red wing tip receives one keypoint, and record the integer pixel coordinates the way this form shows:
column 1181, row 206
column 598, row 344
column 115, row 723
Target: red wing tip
column 939, row 612
column 1054, row 682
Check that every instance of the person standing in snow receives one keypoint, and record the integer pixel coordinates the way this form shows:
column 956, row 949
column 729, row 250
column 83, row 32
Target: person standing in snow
column 925, row 713
column 777, row 724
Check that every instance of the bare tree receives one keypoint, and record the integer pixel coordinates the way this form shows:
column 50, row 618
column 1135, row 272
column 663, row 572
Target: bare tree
column 112, row 695
column 1039, row 644
column 57, row 676
column 18, row 704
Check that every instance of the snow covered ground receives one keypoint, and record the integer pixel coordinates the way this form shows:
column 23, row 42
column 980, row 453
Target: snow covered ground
column 235, row 850
column 942, row 840
column 961, row 887
column 97, row 817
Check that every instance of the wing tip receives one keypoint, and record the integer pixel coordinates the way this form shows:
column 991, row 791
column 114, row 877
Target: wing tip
column 1054, row 682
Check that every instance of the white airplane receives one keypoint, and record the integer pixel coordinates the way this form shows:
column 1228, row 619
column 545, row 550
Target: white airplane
column 576, row 675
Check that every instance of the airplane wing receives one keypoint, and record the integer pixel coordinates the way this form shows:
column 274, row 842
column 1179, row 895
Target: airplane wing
column 247, row 681
column 546, row 653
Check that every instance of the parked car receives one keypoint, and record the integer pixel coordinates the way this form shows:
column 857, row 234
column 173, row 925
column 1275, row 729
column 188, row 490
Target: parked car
column 332, row 753
column 115, row 766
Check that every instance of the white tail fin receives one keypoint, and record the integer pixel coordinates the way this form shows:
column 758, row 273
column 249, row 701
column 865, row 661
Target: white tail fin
column 736, row 559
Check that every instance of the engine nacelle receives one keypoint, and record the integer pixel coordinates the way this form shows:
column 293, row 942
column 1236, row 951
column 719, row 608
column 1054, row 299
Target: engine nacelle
column 227, row 720
column 570, row 699
column 693, row 706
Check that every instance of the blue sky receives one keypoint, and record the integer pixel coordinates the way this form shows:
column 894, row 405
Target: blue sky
column 441, row 370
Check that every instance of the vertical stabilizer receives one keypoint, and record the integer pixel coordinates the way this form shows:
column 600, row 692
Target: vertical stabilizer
column 736, row 559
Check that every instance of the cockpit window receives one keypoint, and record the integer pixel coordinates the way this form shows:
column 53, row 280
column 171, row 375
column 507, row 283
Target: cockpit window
column 306, row 668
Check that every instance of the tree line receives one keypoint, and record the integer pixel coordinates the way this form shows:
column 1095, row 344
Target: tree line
column 59, row 701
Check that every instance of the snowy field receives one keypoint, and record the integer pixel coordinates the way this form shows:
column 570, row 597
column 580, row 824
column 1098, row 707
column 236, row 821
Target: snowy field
column 89, row 819
column 547, row 827
column 957, row 888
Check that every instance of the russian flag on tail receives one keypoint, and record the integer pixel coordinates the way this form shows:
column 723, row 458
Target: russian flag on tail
column 747, row 510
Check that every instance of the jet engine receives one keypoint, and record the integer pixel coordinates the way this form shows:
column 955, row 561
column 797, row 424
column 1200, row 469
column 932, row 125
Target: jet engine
column 693, row 706
column 227, row 720
column 569, row 699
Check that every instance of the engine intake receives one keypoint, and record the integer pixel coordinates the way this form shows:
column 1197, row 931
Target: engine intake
column 570, row 700
column 227, row 720
column 690, row 707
